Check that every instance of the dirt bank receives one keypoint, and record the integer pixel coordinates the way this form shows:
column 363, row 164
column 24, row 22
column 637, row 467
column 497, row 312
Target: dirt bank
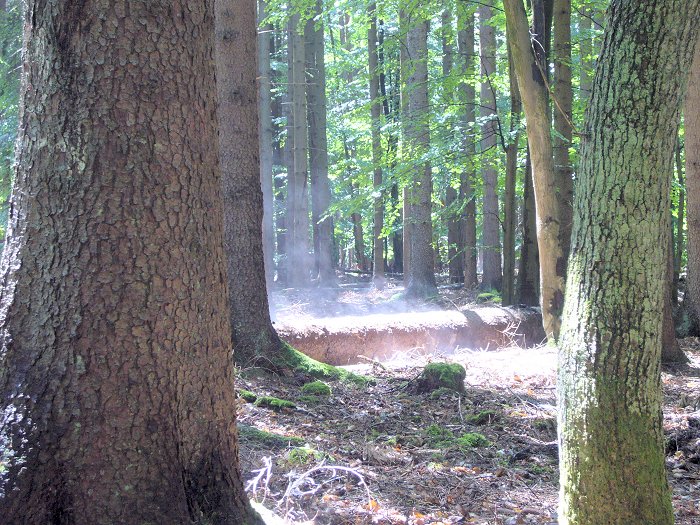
column 340, row 340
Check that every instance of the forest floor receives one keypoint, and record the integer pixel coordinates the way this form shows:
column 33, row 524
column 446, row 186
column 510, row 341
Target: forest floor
column 382, row 453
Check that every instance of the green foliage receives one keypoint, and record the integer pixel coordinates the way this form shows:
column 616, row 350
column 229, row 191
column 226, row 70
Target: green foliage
column 492, row 296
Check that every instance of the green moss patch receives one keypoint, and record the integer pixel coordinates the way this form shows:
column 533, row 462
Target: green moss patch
column 440, row 437
column 316, row 388
column 252, row 435
column 247, row 395
column 482, row 418
column 304, row 455
column 442, row 375
column 295, row 360
column 274, row 403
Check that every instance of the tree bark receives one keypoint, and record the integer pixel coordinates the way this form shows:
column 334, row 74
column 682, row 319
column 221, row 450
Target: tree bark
column 421, row 274
column 562, row 121
column 254, row 337
column 318, row 150
column 679, row 234
column 491, row 225
column 406, row 193
column 298, row 198
column 609, row 389
column 116, row 372
column 465, row 43
column 692, row 178
column 534, row 94
column 376, row 115
column 265, row 144
column 528, row 284
column 509, row 209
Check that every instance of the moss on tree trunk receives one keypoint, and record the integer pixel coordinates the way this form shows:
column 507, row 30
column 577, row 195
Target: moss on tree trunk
column 611, row 440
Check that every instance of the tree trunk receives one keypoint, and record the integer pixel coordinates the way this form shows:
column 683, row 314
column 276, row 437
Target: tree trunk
column 679, row 237
column 254, row 338
column 298, row 220
column 117, row 381
column 610, row 425
column 405, row 67
column 528, row 284
column 376, row 115
column 585, row 52
column 318, row 151
column 534, row 95
column 563, row 131
column 692, row 178
column 491, row 225
column 670, row 349
column 421, row 274
column 265, row 147
column 509, row 209
column 465, row 42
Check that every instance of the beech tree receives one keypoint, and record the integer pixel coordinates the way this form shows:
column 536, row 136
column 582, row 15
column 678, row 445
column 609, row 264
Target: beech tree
column 116, row 371
column 609, row 390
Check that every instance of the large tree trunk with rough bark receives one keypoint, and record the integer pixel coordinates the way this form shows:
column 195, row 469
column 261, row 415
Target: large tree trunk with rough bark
column 534, row 94
column 254, row 337
column 467, row 93
column 421, row 274
column 609, row 389
column 491, row 223
column 116, row 372
column 692, row 178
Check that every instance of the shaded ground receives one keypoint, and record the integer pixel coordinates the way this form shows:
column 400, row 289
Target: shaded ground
column 381, row 453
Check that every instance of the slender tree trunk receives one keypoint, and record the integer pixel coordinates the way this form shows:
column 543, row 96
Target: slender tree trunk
column 455, row 224
column 254, row 338
column 534, row 95
column 528, row 284
column 465, row 42
column 318, row 150
column 611, row 444
column 376, row 115
column 266, row 133
column 692, row 178
column 117, row 382
column 670, row 349
column 298, row 223
column 491, row 226
column 563, row 115
column 286, row 248
column 405, row 67
column 421, row 272
column 509, row 209
column 679, row 237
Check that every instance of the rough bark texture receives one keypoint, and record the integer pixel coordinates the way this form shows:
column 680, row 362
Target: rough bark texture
column 254, row 337
column 318, row 151
column 491, row 224
column 465, row 43
column 534, row 95
column 116, row 373
column 692, row 177
column 376, row 115
column 610, row 425
column 421, row 274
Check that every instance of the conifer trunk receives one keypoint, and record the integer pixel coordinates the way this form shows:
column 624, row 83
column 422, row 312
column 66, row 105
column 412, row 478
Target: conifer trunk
column 376, row 114
column 116, row 376
column 610, row 426
column 692, row 178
